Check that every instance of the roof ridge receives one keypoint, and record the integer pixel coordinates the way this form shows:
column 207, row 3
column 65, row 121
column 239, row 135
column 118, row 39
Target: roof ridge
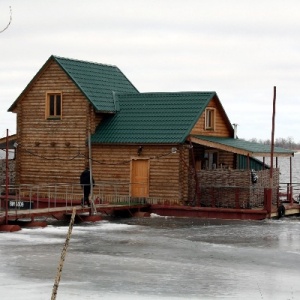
column 96, row 81
column 84, row 61
column 168, row 93
column 180, row 92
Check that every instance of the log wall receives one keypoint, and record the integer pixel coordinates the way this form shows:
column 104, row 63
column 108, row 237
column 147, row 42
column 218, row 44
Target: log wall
column 167, row 174
column 52, row 151
column 221, row 125
column 55, row 151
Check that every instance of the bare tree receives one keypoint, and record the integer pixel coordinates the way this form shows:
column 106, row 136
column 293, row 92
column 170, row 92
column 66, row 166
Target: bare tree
column 10, row 19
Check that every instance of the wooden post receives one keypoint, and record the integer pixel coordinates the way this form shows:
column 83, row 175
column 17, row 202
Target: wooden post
column 6, row 179
column 248, row 162
column 93, row 207
column 291, row 182
column 198, row 203
column 272, row 138
column 269, row 203
column 63, row 255
column 90, row 164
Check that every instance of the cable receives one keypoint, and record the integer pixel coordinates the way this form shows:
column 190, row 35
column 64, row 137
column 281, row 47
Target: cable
column 94, row 160
column 52, row 158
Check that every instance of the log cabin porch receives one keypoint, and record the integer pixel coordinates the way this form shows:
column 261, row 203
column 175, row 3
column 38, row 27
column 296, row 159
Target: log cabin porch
column 226, row 175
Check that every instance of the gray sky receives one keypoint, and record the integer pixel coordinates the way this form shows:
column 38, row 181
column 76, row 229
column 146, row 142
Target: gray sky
column 240, row 49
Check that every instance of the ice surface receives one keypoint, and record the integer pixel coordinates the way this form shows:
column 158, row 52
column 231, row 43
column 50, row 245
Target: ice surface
column 155, row 258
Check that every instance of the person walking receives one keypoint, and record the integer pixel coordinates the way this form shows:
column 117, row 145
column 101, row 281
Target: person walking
column 85, row 182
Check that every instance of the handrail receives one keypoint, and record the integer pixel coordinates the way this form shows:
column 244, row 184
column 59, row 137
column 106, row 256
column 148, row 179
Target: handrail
column 34, row 196
column 289, row 192
column 52, row 195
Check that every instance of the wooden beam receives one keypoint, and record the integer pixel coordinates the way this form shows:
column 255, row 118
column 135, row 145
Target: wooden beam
column 220, row 146
column 236, row 150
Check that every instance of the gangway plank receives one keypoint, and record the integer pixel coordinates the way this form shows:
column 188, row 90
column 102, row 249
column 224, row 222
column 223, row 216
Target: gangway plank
column 17, row 214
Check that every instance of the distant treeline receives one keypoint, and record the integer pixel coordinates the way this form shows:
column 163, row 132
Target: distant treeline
column 287, row 143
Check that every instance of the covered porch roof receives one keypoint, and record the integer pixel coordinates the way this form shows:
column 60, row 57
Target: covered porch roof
column 11, row 140
column 240, row 146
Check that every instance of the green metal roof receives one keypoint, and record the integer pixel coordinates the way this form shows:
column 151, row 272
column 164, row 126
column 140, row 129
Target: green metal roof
column 97, row 81
column 153, row 117
column 240, row 146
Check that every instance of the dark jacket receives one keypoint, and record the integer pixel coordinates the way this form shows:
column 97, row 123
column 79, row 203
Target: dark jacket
column 85, row 177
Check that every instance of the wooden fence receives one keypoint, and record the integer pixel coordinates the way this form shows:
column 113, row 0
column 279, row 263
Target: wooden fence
column 232, row 188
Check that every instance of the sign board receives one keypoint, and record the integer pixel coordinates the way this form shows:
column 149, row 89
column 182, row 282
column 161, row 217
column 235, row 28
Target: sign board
column 12, row 204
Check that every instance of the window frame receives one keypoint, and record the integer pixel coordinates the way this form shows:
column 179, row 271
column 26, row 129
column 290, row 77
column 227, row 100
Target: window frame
column 211, row 159
column 55, row 115
column 210, row 118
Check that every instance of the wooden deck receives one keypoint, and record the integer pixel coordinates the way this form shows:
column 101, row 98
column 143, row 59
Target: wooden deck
column 26, row 216
column 223, row 213
column 290, row 210
column 60, row 212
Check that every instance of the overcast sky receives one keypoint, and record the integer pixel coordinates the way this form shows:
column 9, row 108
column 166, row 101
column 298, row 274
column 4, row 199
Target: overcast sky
column 240, row 49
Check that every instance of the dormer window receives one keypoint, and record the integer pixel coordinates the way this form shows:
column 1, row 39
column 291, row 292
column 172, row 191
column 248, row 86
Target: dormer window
column 210, row 118
column 53, row 105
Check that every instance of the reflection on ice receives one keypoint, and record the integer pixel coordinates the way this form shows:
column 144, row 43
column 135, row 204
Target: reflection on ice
column 152, row 215
column 102, row 226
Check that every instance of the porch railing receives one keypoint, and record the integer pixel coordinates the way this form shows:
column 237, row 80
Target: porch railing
column 289, row 192
column 64, row 194
column 119, row 193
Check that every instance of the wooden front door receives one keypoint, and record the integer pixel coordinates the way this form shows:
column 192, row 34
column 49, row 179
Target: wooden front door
column 140, row 178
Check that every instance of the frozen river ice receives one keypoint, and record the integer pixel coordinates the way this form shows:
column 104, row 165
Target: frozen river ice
column 155, row 258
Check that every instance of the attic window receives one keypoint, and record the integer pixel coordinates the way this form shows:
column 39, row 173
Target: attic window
column 53, row 105
column 210, row 119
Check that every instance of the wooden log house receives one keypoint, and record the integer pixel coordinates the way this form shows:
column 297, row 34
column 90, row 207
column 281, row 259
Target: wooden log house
column 154, row 146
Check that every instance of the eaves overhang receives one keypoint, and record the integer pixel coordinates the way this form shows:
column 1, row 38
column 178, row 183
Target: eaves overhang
column 240, row 146
column 11, row 140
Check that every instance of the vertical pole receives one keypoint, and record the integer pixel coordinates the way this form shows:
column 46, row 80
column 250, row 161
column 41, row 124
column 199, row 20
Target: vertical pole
column 6, row 179
column 63, row 256
column 91, row 175
column 272, row 137
column 90, row 163
column 291, row 182
column 198, row 203
column 278, row 189
column 234, row 131
column 248, row 162
column 269, row 202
